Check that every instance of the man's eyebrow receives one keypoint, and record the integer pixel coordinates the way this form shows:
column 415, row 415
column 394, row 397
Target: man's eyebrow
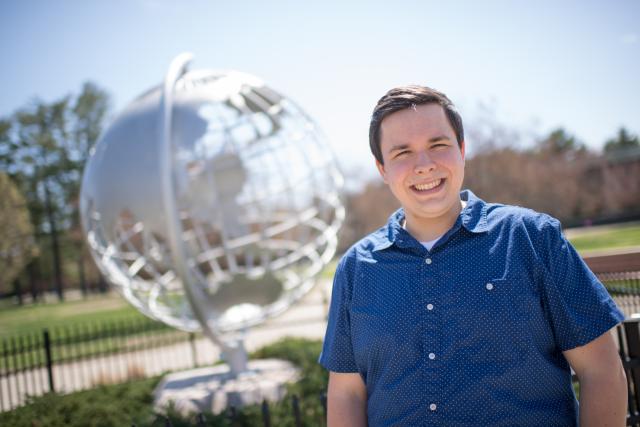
column 439, row 138
column 398, row 147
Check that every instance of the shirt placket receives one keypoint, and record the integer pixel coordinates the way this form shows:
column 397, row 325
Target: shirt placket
column 432, row 366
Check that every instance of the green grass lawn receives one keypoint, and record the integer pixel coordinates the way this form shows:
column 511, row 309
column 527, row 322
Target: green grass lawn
column 34, row 317
column 601, row 238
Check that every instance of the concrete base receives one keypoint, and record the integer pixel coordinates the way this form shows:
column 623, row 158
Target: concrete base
column 214, row 389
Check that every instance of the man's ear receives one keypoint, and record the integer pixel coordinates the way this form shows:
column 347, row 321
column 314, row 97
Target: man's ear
column 462, row 149
column 383, row 173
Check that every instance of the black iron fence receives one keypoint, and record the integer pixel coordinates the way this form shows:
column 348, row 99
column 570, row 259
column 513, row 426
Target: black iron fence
column 84, row 356
column 621, row 283
column 231, row 413
column 628, row 334
column 621, row 275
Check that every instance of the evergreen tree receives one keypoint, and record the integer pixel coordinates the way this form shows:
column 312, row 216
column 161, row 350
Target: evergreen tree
column 622, row 142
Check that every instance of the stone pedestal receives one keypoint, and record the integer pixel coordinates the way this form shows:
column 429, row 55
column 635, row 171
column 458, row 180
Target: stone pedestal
column 214, row 389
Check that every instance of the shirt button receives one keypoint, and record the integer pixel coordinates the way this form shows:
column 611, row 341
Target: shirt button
column 489, row 286
column 433, row 407
column 432, row 356
column 428, row 261
column 429, row 307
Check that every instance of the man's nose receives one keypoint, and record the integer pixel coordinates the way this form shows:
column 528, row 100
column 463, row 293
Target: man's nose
column 424, row 163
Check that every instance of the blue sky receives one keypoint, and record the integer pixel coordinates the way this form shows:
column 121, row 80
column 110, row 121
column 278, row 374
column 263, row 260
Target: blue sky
column 537, row 65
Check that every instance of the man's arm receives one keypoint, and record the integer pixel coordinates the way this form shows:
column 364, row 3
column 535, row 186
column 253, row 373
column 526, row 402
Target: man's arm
column 346, row 400
column 603, row 384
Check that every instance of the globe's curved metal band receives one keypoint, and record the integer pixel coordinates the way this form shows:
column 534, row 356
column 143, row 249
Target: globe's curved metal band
column 224, row 206
column 194, row 293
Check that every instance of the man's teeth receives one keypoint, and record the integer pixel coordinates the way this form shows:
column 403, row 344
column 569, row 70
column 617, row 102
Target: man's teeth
column 428, row 186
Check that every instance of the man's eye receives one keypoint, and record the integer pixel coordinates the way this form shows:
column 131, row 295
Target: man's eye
column 402, row 153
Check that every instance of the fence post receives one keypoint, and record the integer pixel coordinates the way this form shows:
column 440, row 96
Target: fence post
column 266, row 417
column 632, row 335
column 232, row 414
column 47, row 352
column 201, row 420
column 192, row 342
column 323, row 402
column 296, row 410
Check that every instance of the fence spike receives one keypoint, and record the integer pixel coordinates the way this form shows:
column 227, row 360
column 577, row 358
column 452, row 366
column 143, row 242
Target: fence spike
column 323, row 402
column 232, row 413
column 295, row 403
column 47, row 353
column 200, row 420
column 266, row 416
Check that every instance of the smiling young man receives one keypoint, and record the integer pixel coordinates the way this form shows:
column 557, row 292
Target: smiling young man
column 461, row 312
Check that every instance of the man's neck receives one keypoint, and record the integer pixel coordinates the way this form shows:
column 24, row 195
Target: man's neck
column 426, row 229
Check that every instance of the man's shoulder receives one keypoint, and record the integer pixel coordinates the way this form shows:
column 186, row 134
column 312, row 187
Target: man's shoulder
column 499, row 214
column 370, row 243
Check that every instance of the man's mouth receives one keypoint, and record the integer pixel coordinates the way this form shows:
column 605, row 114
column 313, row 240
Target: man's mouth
column 428, row 185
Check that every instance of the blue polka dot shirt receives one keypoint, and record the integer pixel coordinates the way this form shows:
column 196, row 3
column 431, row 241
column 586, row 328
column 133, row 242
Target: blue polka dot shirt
column 472, row 331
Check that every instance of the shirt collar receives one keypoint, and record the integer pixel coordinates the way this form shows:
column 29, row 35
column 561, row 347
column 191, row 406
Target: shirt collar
column 474, row 214
column 473, row 218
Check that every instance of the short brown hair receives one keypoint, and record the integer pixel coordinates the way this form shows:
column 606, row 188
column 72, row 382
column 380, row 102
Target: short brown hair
column 403, row 97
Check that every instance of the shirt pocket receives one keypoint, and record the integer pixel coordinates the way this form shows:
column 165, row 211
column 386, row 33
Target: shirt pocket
column 499, row 320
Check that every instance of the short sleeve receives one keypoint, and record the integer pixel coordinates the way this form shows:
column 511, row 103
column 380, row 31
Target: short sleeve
column 580, row 308
column 337, row 351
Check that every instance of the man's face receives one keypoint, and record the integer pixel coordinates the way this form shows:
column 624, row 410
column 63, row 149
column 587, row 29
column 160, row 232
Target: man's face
column 423, row 165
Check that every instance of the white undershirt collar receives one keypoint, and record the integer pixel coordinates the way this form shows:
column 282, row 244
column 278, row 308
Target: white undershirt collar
column 429, row 244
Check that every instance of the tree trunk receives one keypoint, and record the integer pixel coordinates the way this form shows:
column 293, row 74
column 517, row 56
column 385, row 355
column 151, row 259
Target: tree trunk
column 55, row 246
column 81, row 272
column 17, row 289
column 102, row 285
column 32, row 269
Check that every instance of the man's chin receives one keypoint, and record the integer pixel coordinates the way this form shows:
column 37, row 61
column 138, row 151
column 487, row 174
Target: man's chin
column 438, row 211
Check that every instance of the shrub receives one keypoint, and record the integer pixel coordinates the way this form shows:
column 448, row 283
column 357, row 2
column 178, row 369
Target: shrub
column 114, row 405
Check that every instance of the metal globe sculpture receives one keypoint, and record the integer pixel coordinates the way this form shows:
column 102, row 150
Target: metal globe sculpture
column 211, row 203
